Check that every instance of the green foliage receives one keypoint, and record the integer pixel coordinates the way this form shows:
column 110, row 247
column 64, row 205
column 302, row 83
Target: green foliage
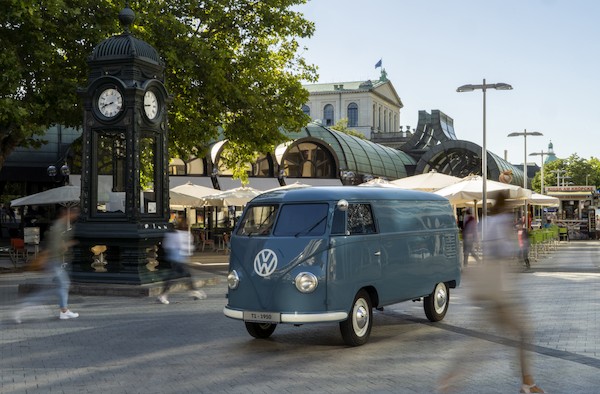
column 342, row 126
column 230, row 64
column 573, row 170
column 45, row 44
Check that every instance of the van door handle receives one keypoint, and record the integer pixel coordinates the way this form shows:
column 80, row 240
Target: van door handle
column 377, row 253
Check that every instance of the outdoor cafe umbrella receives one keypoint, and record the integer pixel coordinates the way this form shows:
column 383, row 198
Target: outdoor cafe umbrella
column 543, row 200
column 64, row 195
column 238, row 197
column 427, row 182
column 295, row 185
column 189, row 194
column 67, row 196
column 470, row 189
column 380, row 182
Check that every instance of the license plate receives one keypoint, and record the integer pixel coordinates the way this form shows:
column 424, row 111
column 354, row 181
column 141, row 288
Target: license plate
column 262, row 317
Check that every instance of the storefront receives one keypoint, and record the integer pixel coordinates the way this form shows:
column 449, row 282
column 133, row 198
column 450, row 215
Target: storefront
column 577, row 210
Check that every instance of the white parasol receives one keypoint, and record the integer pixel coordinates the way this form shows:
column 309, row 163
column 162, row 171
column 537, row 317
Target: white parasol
column 234, row 197
column 428, row 182
column 65, row 195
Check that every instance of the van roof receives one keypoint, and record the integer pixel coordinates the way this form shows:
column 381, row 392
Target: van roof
column 334, row 193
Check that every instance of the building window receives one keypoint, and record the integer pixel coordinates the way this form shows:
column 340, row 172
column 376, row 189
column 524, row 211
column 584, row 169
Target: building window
column 176, row 167
column 328, row 115
column 352, row 115
column 306, row 109
column 309, row 160
column 263, row 167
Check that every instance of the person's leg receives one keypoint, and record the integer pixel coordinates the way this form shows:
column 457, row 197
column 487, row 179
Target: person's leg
column 64, row 283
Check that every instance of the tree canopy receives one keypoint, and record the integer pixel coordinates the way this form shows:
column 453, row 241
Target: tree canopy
column 573, row 170
column 232, row 67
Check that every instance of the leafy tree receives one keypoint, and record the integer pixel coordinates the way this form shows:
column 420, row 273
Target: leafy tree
column 342, row 126
column 44, row 48
column 231, row 65
column 573, row 169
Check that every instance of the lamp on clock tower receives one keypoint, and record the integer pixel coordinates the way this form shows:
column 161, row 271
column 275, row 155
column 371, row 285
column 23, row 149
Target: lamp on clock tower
column 124, row 180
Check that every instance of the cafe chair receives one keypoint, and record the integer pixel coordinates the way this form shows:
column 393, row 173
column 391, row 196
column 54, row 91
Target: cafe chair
column 17, row 248
column 204, row 240
column 226, row 244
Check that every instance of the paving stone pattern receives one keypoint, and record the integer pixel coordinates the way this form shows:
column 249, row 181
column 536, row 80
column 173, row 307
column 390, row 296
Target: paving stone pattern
column 136, row 345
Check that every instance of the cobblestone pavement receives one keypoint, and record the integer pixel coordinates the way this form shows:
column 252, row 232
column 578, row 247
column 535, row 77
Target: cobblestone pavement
column 136, row 345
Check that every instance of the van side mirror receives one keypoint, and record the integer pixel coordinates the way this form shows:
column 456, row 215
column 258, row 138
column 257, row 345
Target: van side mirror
column 342, row 205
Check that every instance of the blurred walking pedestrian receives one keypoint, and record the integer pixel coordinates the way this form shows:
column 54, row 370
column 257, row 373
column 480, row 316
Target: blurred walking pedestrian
column 59, row 241
column 469, row 237
column 523, row 235
column 177, row 246
column 495, row 292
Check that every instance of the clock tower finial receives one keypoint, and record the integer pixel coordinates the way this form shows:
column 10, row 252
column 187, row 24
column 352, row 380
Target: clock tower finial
column 126, row 17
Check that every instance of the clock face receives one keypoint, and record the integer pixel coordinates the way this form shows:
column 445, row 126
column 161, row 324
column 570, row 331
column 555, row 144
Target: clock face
column 150, row 105
column 110, row 102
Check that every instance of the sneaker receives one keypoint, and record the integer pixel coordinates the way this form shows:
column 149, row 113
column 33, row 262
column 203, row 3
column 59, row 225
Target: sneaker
column 533, row 388
column 199, row 295
column 68, row 315
column 163, row 299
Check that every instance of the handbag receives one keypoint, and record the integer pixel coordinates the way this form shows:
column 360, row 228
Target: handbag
column 38, row 263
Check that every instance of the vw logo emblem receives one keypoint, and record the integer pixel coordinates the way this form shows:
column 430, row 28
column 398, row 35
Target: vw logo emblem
column 265, row 262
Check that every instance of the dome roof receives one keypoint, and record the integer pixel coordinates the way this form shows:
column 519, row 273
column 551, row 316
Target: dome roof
column 124, row 46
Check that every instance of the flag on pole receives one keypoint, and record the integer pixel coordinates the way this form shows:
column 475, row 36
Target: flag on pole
column 378, row 64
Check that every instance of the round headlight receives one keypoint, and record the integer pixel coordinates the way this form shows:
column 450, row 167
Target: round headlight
column 306, row 282
column 233, row 280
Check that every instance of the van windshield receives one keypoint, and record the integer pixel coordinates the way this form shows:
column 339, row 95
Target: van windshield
column 301, row 220
column 258, row 220
column 292, row 220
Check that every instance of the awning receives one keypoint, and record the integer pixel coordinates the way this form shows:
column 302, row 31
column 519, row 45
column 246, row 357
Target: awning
column 259, row 183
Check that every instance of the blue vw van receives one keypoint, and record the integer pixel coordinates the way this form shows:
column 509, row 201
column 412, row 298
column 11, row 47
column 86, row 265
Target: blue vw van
column 332, row 254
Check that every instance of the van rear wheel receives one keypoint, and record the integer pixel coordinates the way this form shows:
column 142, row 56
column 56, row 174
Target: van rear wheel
column 436, row 304
column 357, row 328
column 260, row 330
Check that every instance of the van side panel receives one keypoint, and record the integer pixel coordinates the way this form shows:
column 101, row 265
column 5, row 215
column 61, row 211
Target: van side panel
column 417, row 248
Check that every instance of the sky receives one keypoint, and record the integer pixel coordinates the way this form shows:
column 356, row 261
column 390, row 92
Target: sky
column 548, row 50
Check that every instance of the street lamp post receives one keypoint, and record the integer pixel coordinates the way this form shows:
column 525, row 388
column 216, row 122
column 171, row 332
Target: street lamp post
column 483, row 87
column 540, row 153
column 524, row 134
column 558, row 172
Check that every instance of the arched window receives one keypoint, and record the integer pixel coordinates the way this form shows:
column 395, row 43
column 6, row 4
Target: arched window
column 306, row 109
column 263, row 167
column 328, row 115
column 352, row 115
column 309, row 160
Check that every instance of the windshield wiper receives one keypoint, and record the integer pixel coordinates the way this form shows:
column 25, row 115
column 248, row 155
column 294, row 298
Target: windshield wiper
column 266, row 230
column 306, row 231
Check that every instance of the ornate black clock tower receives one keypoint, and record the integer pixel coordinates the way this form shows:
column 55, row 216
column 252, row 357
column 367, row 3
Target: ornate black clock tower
column 124, row 180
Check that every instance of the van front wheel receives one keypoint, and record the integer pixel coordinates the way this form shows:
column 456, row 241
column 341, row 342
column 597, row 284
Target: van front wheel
column 260, row 330
column 357, row 328
column 436, row 304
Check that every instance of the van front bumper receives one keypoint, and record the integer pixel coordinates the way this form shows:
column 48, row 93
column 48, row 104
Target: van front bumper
column 295, row 318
